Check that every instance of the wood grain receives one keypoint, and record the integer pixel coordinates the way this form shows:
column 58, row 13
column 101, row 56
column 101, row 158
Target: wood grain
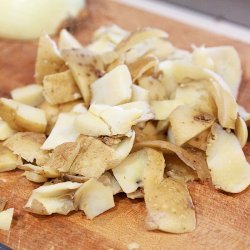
column 223, row 221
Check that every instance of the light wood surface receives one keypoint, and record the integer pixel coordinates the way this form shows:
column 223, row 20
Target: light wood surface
column 223, row 221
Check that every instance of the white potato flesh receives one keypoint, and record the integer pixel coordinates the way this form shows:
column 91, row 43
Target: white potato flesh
column 145, row 108
column 94, row 198
column 31, row 94
column 113, row 88
column 22, row 117
column 227, row 64
column 101, row 46
column 79, row 108
column 123, row 149
column 45, row 171
column 137, row 52
column 187, row 123
column 58, row 189
column 34, row 177
column 195, row 95
column 106, row 38
column 226, row 161
column 6, row 219
column 241, row 131
column 159, row 47
column 8, row 160
column 109, row 57
column 114, row 33
column 120, row 120
column 48, row 60
column 63, row 131
column 162, row 109
column 139, row 94
column 201, row 57
column 31, row 119
column 129, row 173
column 92, row 125
column 5, row 130
column 180, row 55
column 167, row 78
column 224, row 60
column 108, row 179
column 9, row 102
column 8, row 109
column 67, row 41
column 55, row 198
column 139, row 36
column 225, row 102
column 97, row 109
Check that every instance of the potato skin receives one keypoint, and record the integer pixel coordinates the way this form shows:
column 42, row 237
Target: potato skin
column 10, row 112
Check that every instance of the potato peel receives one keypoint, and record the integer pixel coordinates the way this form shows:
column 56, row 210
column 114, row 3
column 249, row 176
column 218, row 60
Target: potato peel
column 200, row 141
column 22, row 117
column 44, row 171
column 60, row 88
column 186, row 123
column 6, row 219
column 49, row 60
column 241, row 131
column 83, row 198
column 95, row 153
column 194, row 161
column 85, row 67
column 139, row 67
column 128, row 113
column 27, row 145
column 178, row 170
column 63, row 156
column 225, row 102
column 8, row 160
column 168, row 202
column 139, row 36
column 55, row 198
column 230, row 171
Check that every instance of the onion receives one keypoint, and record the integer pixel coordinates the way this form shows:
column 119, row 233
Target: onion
column 28, row 19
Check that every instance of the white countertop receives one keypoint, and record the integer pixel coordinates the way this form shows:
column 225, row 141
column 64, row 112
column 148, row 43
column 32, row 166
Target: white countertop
column 193, row 18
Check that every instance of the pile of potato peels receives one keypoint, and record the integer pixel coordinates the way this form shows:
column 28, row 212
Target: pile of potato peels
column 128, row 113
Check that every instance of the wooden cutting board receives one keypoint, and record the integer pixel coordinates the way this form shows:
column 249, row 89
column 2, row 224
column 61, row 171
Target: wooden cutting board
column 223, row 221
